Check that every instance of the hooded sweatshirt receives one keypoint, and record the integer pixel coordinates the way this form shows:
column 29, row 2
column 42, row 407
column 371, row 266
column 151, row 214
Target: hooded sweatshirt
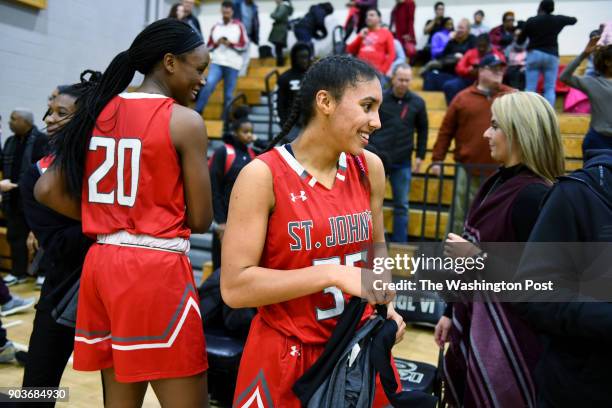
column 574, row 369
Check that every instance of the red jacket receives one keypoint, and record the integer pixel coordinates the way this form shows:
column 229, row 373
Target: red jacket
column 403, row 18
column 376, row 48
column 471, row 58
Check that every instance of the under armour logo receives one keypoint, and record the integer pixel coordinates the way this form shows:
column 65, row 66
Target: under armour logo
column 302, row 196
column 294, row 351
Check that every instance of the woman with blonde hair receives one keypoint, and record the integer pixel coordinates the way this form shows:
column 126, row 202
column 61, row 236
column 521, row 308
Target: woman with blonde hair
column 492, row 353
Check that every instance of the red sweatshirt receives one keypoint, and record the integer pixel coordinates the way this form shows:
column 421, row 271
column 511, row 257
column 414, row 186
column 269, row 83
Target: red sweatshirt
column 376, row 49
column 471, row 58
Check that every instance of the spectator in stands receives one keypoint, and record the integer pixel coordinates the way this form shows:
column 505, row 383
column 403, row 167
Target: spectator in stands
column 467, row 67
column 574, row 369
column 401, row 113
column 246, row 12
column 502, row 35
column 437, row 72
column 400, row 56
column 189, row 18
column 466, row 119
column 599, row 90
column 290, row 81
column 177, row 11
column 543, row 49
column 516, row 56
column 437, row 24
column 280, row 29
column 374, row 44
column 441, row 38
column 590, row 66
column 21, row 150
column 225, row 165
column 402, row 25
column 478, row 27
column 460, row 42
column 356, row 19
column 312, row 25
column 524, row 139
column 227, row 43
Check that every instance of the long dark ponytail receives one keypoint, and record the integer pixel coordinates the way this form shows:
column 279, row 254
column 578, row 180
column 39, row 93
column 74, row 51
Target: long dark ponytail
column 149, row 47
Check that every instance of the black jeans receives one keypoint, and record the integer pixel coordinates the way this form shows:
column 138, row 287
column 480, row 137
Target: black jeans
column 17, row 234
column 278, row 51
column 50, row 347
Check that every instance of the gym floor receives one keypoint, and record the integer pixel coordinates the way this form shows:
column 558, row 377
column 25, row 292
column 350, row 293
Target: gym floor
column 85, row 389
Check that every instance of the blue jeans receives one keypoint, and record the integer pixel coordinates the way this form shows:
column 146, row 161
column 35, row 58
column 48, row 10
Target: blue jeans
column 400, row 176
column 540, row 62
column 215, row 73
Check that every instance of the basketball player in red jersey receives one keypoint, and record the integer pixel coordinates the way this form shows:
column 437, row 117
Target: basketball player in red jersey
column 132, row 167
column 300, row 216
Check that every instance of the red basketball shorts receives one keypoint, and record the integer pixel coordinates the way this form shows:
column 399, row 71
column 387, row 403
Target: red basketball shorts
column 138, row 312
column 272, row 362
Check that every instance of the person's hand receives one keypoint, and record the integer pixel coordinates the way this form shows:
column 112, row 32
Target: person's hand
column 220, row 230
column 401, row 325
column 364, row 32
column 32, row 244
column 458, row 55
column 441, row 331
column 452, row 35
column 591, row 45
column 457, row 247
column 353, row 281
column 435, row 169
column 7, row 185
column 416, row 167
column 224, row 41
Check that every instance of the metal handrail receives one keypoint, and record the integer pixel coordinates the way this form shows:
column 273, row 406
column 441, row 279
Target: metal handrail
column 471, row 170
column 267, row 80
column 239, row 97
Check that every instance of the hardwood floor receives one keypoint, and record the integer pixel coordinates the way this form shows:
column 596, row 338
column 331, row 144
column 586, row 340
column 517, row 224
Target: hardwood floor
column 85, row 388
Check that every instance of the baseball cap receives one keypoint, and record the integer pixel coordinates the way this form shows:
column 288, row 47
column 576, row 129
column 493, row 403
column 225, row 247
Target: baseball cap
column 491, row 60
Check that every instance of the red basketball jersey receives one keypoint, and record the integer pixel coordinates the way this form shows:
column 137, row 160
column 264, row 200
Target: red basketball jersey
column 133, row 178
column 313, row 225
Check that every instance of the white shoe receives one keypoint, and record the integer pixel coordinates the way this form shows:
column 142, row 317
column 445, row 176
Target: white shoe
column 39, row 282
column 16, row 304
column 10, row 279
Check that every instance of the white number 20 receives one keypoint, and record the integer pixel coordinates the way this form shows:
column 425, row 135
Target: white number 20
column 349, row 260
column 110, row 145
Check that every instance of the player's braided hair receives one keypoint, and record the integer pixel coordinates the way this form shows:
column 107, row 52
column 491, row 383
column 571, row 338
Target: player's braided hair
column 149, row 47
column 333, row 74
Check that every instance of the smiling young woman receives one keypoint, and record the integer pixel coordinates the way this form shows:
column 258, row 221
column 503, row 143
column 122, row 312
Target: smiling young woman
column 131, row 166
column 285, row 247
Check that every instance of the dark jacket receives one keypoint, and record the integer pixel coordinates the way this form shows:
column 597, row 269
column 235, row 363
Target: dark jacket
column 399, row 119
column 62, row 239
column 543, row 30
column 280, row 27
column 575, row 367
column 17, row 157
column 314, row 20
column 222, row 182
column 448, row 59
column 253, row 33
column 194, row 23
column 289, row 84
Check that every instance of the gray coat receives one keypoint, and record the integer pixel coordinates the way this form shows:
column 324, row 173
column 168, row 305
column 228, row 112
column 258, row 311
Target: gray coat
column 280, row 27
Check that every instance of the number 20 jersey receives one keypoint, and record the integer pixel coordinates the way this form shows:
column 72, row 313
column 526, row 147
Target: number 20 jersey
column 310, row 225
column 133, row 179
